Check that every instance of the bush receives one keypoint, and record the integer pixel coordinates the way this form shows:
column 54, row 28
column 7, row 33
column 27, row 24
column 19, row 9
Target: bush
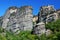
column 55, row 28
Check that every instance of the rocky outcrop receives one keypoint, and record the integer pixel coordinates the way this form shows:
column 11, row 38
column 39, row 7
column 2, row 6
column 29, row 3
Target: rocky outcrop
column 46, row 14
column 17, row 19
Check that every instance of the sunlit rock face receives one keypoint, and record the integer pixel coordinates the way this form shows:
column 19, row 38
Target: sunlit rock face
column 25, row 18
column 13, row 10
column 35, row 19
column 46, row 11
column 39, row 29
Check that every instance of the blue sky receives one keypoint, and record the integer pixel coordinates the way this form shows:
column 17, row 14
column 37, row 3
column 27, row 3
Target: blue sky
column 36, row 4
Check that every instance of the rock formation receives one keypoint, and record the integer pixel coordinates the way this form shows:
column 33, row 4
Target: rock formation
column 25, row 18
column 46, row 11
column 17, row 19
column 21, row 19
column 46, row 14
column 39, row 29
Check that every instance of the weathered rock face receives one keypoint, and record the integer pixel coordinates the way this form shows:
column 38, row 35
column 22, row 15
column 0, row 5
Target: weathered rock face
column 39, row 29
column 17, row 19
column 7, row 16
column 52, row 17
column 46, row 11
column 25, row 18
column 9, row 19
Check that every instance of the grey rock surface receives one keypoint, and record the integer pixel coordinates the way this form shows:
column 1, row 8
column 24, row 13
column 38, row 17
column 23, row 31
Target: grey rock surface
column 17, row 19
column 39, row 29
column 46, row 11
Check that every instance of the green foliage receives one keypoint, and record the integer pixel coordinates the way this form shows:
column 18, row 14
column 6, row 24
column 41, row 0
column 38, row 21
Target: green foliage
column 43, row 37
column 2, row 37
column 55, row 28
column 23, row 35
column 1, row 30
column 26, row 35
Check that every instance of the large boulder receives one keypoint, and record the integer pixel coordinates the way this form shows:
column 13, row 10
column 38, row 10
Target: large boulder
column 39, row 29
